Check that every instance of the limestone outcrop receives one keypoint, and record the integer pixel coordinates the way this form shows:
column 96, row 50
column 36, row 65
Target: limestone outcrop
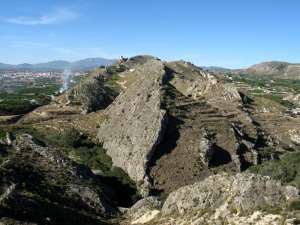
column 212, row 90
column 205, row 150
column 136, row 123
column 147, row 206
column 225, row 199
column 154, row 98
column 226, row 194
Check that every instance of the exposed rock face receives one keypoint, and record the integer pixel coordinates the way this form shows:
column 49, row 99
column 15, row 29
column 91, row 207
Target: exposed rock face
column 205, row 150
column 41, row 181
column 213, row 90
column 91, row 94
column 143, row 207
column 239, row 193
column 221, row 199
column 161, row 108
column 295, row 135
column 194, row 82
column 295, row 98
column 223, row 196
column 136, row 123
column 8, row 195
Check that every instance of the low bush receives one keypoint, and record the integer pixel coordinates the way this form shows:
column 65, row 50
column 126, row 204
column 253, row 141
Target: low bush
column 286, row 170
column 294, row 205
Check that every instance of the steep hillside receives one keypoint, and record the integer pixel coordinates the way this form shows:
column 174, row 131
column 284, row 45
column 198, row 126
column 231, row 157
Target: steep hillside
column 91, row 94
column 166, row 124
column 173, row 122
column 275, row 69
column 136, row 121
column 75, row 106
column 203, row 130
column 40, row 186
column 171, row 126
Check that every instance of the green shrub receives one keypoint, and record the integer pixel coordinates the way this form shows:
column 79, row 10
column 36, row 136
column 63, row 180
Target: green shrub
column 279, row 100
column 286, row 170
column 294, row 205
column 91, row 155
column 72, row 138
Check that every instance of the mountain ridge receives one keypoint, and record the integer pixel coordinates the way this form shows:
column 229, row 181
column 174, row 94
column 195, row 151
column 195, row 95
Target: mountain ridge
column 83, row 64
column 172, row 127
column 276, row 69
column 215, row 68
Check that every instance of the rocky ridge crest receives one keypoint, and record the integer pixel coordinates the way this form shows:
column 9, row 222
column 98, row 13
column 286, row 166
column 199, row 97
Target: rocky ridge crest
column 163, row 105
column 136, row 123
column 239, row 199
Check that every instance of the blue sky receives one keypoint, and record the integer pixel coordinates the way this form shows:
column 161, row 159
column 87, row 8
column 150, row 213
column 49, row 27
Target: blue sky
column 227, row 33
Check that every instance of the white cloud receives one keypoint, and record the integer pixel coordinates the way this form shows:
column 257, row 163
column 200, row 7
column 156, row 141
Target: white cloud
column 56, row 17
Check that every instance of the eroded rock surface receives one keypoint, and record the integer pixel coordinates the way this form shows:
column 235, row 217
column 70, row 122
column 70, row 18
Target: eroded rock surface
column 136, row 123
column 222, row 199
column 227, row 194
column 39, row 180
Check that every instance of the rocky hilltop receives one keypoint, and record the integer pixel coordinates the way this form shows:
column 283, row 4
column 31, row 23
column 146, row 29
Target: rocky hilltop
column 275, row 69
column 171, row 126
column 175, row 115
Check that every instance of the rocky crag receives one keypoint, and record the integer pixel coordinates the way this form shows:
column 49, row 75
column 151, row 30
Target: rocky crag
column 136, row 123
column 169, row 109
column 223, row 199
column 149, row 112
column 40, row 185
column 172, row 126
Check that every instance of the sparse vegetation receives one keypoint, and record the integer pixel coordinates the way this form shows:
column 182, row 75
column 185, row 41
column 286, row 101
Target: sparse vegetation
column 294, row 205
column 286, row 170
column 279, row 99
column 94, row 156
column 293, row 85
column 112, row 82
column 234, row 130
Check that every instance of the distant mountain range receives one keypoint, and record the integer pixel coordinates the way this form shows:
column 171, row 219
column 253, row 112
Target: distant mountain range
column 273, row 69
column 215, row 68
column 84, row 64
